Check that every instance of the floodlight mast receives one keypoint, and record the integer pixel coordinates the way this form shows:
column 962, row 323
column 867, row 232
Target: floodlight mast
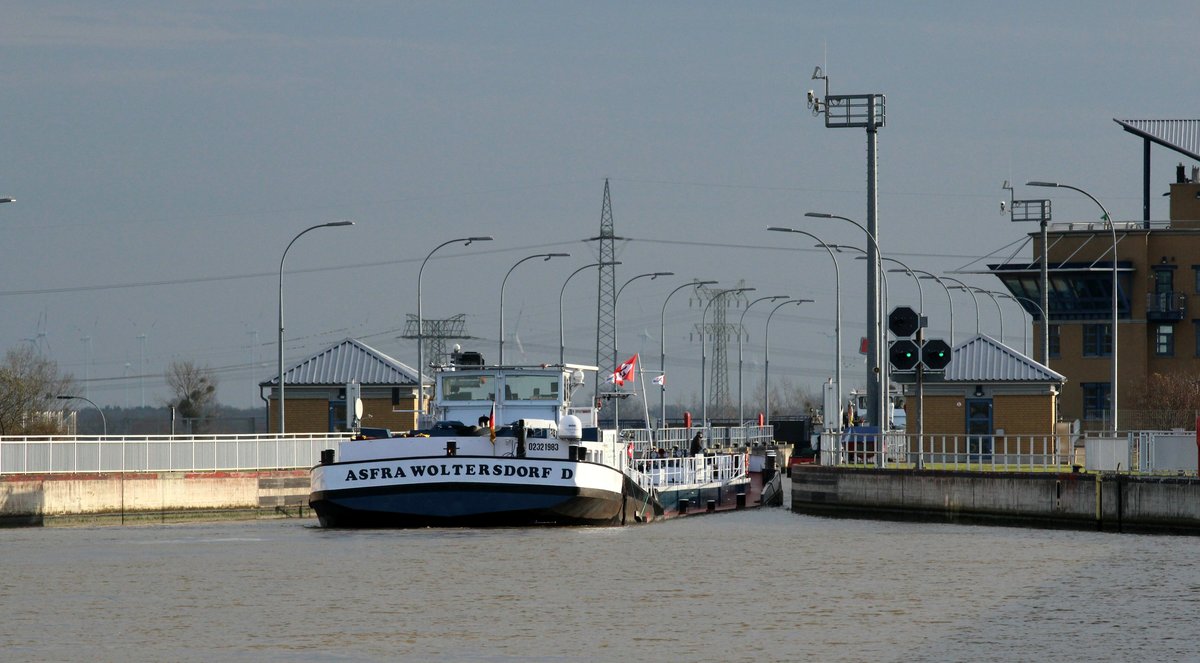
column 864, row 111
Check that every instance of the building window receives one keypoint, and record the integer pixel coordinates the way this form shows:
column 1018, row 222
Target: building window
column 1196, row 271
column 1096, row 401
column 1164, row 341
column 1097, row 341
column 1055, row 343
column 1196, row 335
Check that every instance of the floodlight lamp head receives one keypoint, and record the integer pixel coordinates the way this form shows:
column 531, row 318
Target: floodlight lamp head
column 818, row 215
column 1040, row 183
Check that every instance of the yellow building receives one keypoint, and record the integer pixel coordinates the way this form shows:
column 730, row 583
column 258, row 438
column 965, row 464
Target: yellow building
column 1158, row 276
column 987, row 389
column 316, row 391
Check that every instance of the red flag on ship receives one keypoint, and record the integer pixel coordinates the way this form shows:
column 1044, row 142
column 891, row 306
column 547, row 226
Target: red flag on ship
column 624, row 372
column 492, row 423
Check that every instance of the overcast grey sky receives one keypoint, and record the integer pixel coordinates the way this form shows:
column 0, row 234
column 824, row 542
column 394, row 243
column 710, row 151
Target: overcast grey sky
column 163, row 154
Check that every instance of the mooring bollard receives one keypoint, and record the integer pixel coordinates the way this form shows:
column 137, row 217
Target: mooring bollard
column 712, row 506
column 741, row 501
column 683, row 506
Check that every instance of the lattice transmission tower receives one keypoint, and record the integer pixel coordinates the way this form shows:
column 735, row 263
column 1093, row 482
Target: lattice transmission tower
column 436, row 333
column 606, row 299
column 717, row 332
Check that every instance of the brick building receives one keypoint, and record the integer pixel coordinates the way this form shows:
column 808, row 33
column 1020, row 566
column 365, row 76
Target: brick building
column 1158, row 280
column 987, row 389
column 316, row 390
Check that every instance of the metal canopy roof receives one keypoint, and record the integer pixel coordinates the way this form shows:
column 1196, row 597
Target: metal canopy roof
column 349, row 361
column 1183, row 136
column 984, row 359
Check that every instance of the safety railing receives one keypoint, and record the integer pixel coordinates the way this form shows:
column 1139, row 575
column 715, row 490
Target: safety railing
column 665, row 473
column 719, row 437
column 1013, row 453
column 162, row 453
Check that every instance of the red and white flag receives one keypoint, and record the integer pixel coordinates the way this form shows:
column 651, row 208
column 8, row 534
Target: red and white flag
column 492, row 423
column 624, row 372
column 660, row 379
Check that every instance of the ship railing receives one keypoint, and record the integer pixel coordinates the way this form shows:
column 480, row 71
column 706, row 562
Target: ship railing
column 648, row 441
column 162, row 453
column 663, row 473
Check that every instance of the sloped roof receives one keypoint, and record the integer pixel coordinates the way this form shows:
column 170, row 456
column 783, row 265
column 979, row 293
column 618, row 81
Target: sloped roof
column 984, row 359
column 348, row 361
column 1183, row 136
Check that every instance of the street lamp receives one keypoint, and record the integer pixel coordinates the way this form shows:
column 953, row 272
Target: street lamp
column 331, row 224
column 466, row 241
column 1113, row 228
column 703, row 356
column 967, row 289
column 662, row 357
column 949, row 298
column 877, row 390
column 999, row 311
column 562, row 348
column 616, row 357
column 545, row 258
column 8, row 200
column 766, row 358
column 837, row 305
column 772, row 298
column 103, row 420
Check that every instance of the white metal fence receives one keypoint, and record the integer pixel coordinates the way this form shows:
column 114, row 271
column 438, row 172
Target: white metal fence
column 162, row 453
column 1146, row 452
column 951, row 452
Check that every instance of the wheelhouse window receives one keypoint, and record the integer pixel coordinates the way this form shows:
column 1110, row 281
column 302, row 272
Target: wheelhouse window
column 531, row 387
column 1097, row 340
column 1096, row 401
column 468, row 387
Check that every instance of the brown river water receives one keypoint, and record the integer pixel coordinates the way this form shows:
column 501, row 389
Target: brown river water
column 764, row 585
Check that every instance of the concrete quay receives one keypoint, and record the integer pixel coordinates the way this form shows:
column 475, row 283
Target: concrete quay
column 133, row 497
column 1071, row 500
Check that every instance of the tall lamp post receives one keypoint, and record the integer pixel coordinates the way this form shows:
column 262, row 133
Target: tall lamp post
column 741, row 321
column 949, row 298
column 703, row 356
column 545, row 258
column 837, row 310
column 967, row 289
column 662, row 350
column 1113, row 228
column 331, row 224
column 999, row 311
column 465, row 241
column 103, row 420
column 616, row 356
column 767, row 360
column 877, row 389
column 562, row 345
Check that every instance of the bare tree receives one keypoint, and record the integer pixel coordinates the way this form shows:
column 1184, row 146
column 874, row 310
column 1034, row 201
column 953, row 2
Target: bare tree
column 1169, row 401
column 29, row 384
column 195, row 392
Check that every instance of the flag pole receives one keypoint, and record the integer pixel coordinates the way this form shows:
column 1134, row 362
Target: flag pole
column 645, row 398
